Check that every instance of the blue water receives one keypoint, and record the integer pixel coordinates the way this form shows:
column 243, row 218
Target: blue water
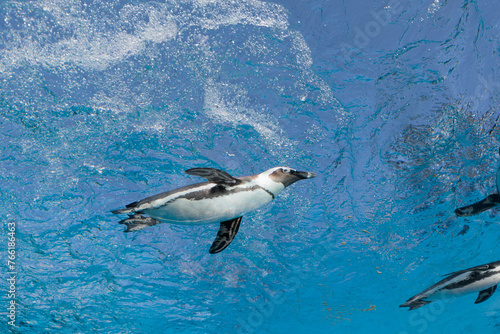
column 394, row 104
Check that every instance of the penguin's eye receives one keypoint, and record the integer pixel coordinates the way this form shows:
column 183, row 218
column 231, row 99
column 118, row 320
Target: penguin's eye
column 285, row 170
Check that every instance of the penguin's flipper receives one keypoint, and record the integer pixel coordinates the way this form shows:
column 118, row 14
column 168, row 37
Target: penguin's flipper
column 226, row 234
column 485, row 294
column 489, row 202
column 498, row 180
column 138, row 222
column 214, row 175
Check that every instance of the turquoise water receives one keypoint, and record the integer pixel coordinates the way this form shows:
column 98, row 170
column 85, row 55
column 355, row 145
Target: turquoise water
column 393, row 104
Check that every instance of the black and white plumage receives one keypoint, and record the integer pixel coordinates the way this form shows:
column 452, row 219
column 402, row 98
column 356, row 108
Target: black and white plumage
column 482, row 279
column 489, row 202
column 223, row 199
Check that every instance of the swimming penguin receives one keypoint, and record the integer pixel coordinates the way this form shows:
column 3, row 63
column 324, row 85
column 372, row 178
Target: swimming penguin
column 223, row 199
column 489, row 202
column 482, row 279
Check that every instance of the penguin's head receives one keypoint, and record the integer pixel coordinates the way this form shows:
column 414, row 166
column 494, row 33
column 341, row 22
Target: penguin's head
column 494, row 265
column 288, row 176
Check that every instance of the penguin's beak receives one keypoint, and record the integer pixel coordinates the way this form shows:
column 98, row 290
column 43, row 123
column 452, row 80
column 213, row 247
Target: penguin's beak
column 304, row 175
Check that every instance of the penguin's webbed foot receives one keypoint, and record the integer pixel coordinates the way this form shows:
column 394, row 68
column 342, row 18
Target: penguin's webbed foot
column 138, row 222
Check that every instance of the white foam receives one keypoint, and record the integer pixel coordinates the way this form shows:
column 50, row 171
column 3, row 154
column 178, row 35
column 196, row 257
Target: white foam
column 92, row 45
column 434, row 7
column 107, row 37
column 224, row 13
column 223, row 110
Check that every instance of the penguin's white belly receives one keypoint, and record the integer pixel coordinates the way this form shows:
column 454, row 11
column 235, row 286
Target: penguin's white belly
column 210, row 210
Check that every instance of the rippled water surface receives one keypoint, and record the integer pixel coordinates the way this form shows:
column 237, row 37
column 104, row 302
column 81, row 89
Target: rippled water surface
column 394, row 104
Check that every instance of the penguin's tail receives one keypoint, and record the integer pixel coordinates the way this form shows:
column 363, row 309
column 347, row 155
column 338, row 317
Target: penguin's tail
column 129, row 209
column 121, row 211
column 138, row 222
